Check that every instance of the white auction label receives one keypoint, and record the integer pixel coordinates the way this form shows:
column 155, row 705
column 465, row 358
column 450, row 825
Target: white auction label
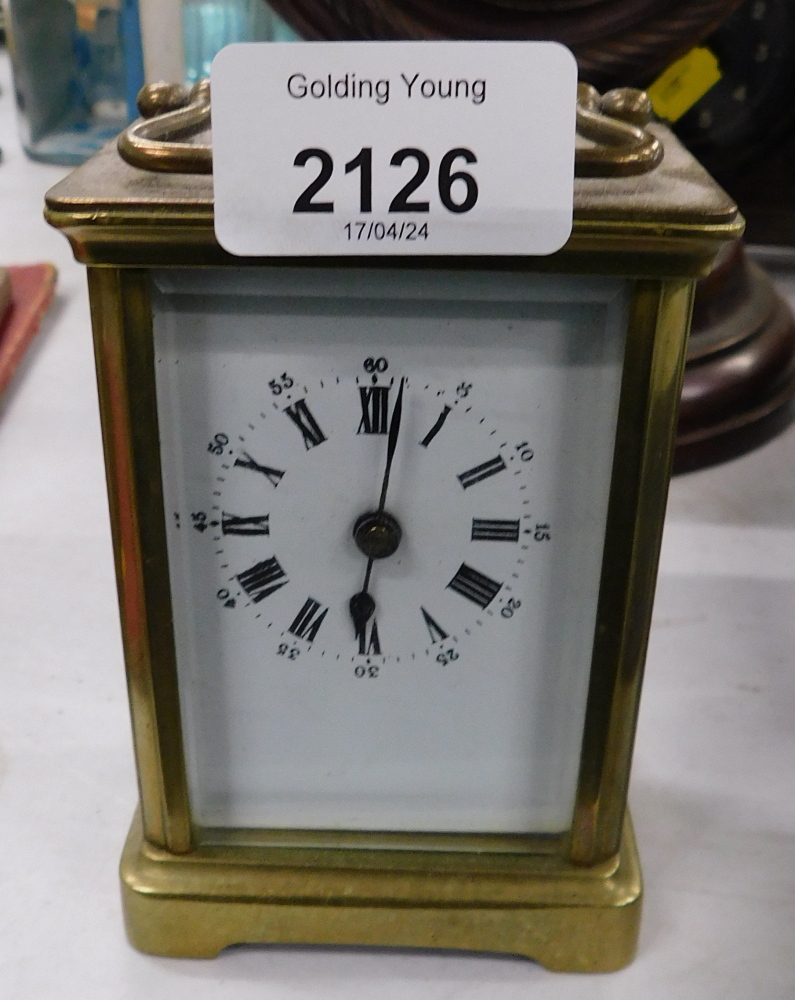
column 333, row 148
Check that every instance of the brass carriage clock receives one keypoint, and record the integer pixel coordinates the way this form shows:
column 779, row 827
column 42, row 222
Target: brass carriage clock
column 386, row 537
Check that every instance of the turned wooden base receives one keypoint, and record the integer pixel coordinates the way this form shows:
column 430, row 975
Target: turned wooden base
column 740, row 375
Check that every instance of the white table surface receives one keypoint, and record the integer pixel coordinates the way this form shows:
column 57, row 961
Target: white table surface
column 713, row 788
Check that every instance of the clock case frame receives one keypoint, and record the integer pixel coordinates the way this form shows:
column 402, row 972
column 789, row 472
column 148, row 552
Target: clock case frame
column 571, row 902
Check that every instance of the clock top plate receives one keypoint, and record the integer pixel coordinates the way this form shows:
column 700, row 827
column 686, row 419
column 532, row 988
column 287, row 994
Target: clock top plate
column 679, row 190
column 113, row 212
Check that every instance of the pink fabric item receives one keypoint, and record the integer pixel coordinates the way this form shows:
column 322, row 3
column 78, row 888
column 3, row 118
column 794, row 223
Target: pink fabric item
column 32, row 289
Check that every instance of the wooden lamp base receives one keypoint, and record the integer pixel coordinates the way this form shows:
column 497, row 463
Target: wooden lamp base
column 740, row 374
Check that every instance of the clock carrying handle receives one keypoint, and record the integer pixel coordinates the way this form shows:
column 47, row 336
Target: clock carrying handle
column 170, row 115
column 613, row 124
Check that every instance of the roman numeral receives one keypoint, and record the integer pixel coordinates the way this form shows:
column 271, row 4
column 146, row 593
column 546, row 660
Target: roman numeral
column 494, row 531
column 436, row 427
column 263, row 579
column 231, row 524
column 481, row 472
column 308, row 620
column 301, row 416
column 273, row 476
column 475, row 586
column 438, row 634
column 371, row 647
column 375, row 408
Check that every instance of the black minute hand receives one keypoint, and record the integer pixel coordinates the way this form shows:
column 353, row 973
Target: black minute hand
column 394, row 430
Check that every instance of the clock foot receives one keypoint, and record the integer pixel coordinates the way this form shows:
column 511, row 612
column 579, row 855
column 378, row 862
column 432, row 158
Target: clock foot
column 567, row 918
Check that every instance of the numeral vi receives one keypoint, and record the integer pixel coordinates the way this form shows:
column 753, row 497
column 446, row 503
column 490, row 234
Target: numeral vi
column 369, row 645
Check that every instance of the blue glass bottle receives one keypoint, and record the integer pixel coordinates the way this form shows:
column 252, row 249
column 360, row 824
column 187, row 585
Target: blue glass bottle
column 77, row 67
column 208, row 25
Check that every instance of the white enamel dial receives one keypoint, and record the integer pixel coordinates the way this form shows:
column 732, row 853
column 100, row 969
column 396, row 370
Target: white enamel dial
column 440, row 686
column 292, row 483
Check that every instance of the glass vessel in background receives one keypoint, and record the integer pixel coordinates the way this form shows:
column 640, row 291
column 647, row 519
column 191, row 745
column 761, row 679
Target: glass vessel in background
column 77, row 67
column 208, row 25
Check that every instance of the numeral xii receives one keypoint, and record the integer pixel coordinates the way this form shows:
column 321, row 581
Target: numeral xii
column 374, row 400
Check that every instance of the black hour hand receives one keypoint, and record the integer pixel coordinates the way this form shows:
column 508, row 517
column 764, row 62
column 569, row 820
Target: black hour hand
column 362, row 608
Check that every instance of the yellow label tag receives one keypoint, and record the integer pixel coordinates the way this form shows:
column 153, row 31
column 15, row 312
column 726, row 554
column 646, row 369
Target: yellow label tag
column 684, row 82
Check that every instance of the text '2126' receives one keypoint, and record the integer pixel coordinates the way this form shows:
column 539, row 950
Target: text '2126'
column 457, row 188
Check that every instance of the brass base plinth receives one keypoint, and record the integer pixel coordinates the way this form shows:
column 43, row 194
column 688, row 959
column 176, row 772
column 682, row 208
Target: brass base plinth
column 568, row 919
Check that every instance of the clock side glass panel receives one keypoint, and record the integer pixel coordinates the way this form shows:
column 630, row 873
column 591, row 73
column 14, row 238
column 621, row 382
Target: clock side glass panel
column 404, row 655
